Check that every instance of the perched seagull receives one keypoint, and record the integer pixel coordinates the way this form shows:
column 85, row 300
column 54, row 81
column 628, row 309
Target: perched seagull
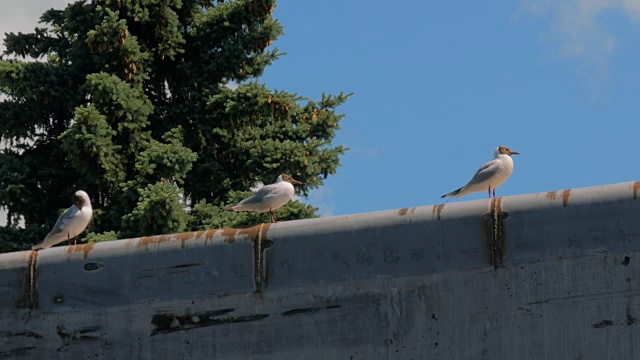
column 71, row 223
column 490, row 175
column 269, row 197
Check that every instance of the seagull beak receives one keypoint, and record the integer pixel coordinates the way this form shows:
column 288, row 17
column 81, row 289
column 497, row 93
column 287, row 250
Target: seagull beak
column 515, row 153
column 296, row 182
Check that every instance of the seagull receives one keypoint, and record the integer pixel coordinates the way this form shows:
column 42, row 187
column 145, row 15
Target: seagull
column 490, row 175
column 269, row 197
column 71, row 223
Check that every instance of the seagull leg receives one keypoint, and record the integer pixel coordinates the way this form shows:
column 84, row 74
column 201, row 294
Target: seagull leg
column 489, row 192
column 494, row 193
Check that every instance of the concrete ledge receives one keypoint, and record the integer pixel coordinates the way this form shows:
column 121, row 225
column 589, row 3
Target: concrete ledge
column 537, row 276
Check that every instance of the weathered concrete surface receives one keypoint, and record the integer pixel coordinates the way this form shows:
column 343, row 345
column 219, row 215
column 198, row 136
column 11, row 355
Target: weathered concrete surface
column 541, row 276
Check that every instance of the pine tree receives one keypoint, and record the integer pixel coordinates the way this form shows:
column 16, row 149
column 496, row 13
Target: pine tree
column 129, row 101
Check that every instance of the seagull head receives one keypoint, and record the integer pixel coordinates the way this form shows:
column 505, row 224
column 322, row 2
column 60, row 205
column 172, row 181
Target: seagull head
column 503, row 150
column 289, row 179
column 80, row 198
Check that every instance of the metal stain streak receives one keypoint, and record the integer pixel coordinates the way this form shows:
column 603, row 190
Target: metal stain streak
column 495, row 232
column 84, row 248
column 436, row 210
column 636, row 186
column 31, row 297
column 565, row 197
column 258, row 250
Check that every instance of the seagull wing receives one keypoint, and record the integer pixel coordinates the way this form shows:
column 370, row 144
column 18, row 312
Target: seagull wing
column 60, row 230
column 262, row 193
column 484, row 173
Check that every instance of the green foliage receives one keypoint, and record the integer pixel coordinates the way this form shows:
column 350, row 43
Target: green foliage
column 131, row 105
column 89, row 144
column 159, row 211
column 16, row 239
column 106, row 236
column 209, row 216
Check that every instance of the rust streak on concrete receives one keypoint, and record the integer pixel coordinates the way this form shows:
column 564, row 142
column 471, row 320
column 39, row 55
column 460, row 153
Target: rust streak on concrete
column 85, row 248
column 229, row 235
column 32, row 276
column 438, row 209
column 260, row 236
column 156, row 239
column 403, row 212
column 565, row 197
column 551, row 195
column 636, row 186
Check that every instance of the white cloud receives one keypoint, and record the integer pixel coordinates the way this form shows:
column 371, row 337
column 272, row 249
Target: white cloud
column 577, row 31
column 23, row 16
column 232, row 85
column 322, row 198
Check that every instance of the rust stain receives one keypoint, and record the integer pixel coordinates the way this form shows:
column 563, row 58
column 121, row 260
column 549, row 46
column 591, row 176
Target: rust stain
column 551, row 195
column 565, row 197
column 438, row 209
column 31, row 298
column 157, row 239
column 229, row 235
column 495, row 232
column 636, row 186
column 86, row 248
column 403, row 212
column 260, row 237
column 183, row 237
column 498, row 205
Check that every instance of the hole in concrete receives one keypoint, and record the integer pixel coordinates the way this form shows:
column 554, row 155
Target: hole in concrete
column 267, row 243
column 504, row 215
column 93, row 266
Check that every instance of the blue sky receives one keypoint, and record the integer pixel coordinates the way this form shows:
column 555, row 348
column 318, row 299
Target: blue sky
column 439, row 85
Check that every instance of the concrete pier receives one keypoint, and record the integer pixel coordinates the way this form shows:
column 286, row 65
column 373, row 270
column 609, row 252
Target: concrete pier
column 552, row 275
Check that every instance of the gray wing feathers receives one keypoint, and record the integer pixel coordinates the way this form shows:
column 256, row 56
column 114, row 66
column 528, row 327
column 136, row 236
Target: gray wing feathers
column 63, row 220
column 483, row 174
column 58, row 233
column 263, row 192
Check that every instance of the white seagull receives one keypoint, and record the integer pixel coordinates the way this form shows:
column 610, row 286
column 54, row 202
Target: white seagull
column 71, row 223
column 490, row 175
column 269, row 197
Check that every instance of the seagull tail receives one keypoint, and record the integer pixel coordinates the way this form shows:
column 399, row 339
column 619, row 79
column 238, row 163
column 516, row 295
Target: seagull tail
column 228, row 207
column 453, row 193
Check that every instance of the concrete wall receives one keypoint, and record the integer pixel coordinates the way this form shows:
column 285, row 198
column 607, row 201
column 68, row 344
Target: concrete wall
column 542, row 276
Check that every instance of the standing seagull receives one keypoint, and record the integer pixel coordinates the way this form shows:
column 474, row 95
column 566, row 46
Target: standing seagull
column 71, row 223
column 269, row 197
column 490, row 175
